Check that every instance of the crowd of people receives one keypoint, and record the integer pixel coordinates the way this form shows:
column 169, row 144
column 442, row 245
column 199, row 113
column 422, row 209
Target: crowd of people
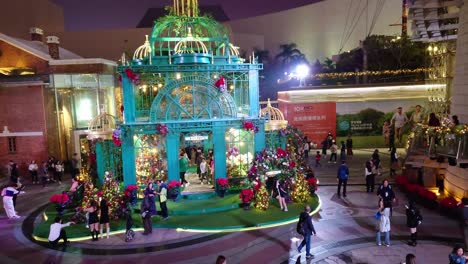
column 195, row 156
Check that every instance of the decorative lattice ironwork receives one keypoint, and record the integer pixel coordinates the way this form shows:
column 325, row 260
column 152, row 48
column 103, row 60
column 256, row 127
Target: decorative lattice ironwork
column 192, row 98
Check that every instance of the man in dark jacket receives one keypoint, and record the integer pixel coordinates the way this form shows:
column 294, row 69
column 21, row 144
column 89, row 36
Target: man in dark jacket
column 343, row 173
column 305, row 221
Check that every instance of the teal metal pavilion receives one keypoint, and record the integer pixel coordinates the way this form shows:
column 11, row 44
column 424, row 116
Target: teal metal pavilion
column 170, row 81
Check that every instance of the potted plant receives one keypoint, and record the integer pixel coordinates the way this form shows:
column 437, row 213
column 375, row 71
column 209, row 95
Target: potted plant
column 173, row 190
column 246, row 196
column 61, row 201
column 222, row 185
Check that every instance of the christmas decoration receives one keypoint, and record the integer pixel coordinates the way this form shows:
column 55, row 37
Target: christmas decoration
column 130, row 194
column 312, row 183
column 221, row 84
column 116, row 137
column 249, row 126
column 300, row 193
column 262, row 198
column 246, row 196
column 90, row 193
column 173, row 189
column 162, row 129
column 61, row 201
column 134, row 78
column 150, row 159
column 111, row 193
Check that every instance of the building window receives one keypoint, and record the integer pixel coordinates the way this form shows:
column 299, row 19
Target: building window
column 12, row 144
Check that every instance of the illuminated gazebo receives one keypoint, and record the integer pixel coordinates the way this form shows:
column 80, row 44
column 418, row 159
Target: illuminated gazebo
column 188, row 77
column 275, row 122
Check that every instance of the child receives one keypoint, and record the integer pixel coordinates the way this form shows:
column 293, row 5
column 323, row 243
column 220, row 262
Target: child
column 386, row 132
column 203, row 170
column 317, row 159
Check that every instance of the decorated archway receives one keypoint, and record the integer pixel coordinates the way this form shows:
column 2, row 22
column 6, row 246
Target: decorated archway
column 192, row 98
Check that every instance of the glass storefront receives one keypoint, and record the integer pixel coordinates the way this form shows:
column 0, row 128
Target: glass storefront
column 72, row 101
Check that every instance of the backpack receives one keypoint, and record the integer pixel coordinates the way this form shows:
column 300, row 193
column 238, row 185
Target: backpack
column 129, row 235
column 300, row 228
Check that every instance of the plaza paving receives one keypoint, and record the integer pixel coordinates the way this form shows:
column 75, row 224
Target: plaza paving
column 345, row 227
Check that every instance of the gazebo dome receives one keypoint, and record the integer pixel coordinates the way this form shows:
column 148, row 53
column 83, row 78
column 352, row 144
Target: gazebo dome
column 143, row 51
column 190, row 44
column 102, row 126
column 274, row 117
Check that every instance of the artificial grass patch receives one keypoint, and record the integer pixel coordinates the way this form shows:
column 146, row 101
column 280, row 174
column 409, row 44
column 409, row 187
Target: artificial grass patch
column 236, row 218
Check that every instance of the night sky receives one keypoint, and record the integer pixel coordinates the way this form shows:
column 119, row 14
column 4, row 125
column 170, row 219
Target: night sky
column 116, row 14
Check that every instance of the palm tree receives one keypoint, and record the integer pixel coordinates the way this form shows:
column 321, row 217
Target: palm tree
column 263, row 56
column 328, row 65
column 290, row 55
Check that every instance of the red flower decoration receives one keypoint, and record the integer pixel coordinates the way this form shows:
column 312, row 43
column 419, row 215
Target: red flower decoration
column 59, row 198
column 292, row 164
column 246, row 195
column 131, row 188
column 173, row 184
column 281, row 152
column 99, row 194
column 222, row 182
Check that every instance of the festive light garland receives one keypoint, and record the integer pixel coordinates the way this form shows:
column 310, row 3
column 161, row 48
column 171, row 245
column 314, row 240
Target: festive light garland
column 300, row 193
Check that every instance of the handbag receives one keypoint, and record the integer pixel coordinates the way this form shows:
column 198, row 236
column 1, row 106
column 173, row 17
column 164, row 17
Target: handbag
column 377, row 215
column 144, row 214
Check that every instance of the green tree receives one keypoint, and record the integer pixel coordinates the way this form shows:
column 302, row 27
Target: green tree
column 290, row 56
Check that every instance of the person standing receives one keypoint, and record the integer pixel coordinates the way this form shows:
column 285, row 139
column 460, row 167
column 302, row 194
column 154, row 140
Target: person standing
column 343, row 174
column 183, row 165
column 163, row 199
column 330, row 140
column 33, row 171
column 349, row 146
column 391, row 138
column 370, row 177
column 413, row 220
column 59, row 171
column 51, row 169
column 8, row 193
column 203, row 170
column 333, row 150
column 93, row 221
column 399, row 119
column 306, row 149
column 317, row 159
column 14, row 175
column 56, row 232
column 417, row 116
column 386, row 131
column 324, row 148
column 75, row 165
column 386, row 194
column 394, row 165
column 104, row 217
column 146, row 216
column 376, row 161
column 149, row 192
column 44, row 174
column 306, row 229
column 384, row 225
column 343, row 151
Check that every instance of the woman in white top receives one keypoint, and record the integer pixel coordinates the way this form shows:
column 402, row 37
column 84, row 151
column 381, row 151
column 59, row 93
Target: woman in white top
column 8, row 193
column 384, row 225
column 203, row 170
column 370, row 177
column 33, row 171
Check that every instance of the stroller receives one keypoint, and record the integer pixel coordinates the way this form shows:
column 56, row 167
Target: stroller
column 129, row 234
